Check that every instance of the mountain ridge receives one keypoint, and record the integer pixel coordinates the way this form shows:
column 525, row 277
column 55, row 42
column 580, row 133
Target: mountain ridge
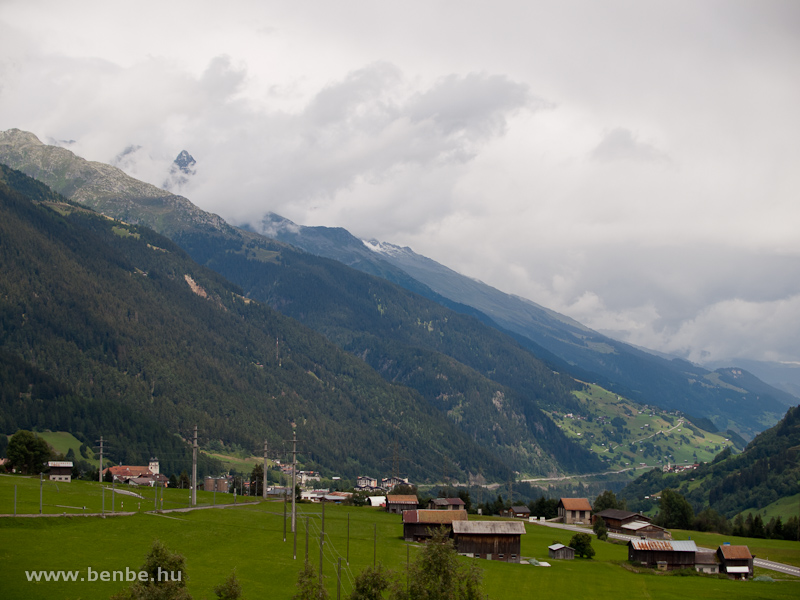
column 557, row 339
column 636, row 373
column 119, row 317
column 238, row 254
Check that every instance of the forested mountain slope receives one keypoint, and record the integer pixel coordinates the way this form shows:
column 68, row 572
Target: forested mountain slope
column 730, row 398
column 487, row 384
column 122, row 323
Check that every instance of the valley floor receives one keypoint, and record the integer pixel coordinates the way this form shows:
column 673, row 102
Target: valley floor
column 251, row 540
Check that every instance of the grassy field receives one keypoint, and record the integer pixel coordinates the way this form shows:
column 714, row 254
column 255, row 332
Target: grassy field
column 250, row 539
column 61, row 442
column 784, row 508
column 241, row 465
column 71, row 498
column 650, row 435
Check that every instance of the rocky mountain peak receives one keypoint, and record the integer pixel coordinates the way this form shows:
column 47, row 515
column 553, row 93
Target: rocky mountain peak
column 185, row 162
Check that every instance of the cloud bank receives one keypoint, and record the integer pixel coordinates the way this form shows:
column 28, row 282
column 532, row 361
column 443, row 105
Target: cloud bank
column 631, row 166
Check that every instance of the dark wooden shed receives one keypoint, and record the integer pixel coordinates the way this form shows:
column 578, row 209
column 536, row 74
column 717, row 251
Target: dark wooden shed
column 399, row 503
column 663, row 554
column 493, row 540
column 419, row 525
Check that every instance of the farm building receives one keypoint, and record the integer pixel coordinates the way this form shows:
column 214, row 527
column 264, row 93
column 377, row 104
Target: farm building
column 662, row 554
column 397, row 504
column 646, row 529
column 446, row 504
column 518, row 512
column 376, row 500
column 574, row 510
column 706, row 562
column 736, row 561
column 60, row 470
column 493, row 540
column 631, row 523
column 560, row 551
column 615, row 519
column 419, row 525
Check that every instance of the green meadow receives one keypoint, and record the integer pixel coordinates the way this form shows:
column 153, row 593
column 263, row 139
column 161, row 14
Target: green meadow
column 250, row 539
column 650, row 436
column 79, row 497
column 784, row 508
column 62, row 441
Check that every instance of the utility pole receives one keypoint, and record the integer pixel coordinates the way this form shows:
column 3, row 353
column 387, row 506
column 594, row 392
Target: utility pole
column 321, row 543
column 294, row 478
column 194, row 468
column 100, row 470
column 41, row 485
column 264, row 492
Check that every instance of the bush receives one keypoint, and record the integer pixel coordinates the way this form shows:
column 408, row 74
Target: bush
column 600, row 529
column 582, row 544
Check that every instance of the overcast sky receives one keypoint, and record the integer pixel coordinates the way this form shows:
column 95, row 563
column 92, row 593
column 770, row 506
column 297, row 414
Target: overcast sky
column 634, row 165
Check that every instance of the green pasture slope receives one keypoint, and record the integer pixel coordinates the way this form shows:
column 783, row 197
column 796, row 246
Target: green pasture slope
column 60, row 498
column 61, row 442
column 653, row 435
column 250, row 539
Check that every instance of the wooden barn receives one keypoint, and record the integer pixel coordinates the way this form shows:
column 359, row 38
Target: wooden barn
column 560, row 551
column 736, row 561
column 631, row 523
column 518, row 512
column 575, row 510
column 446, row 504
column 493, row 540
column 399, row 503
column 419, row 525
column 615, row 519
column 662, row 554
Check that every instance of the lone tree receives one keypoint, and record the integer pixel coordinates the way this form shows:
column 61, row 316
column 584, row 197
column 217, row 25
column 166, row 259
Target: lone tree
column 437, row 573
column 308, row 585
column 608, row 500
column 229, row 589
column 166, row 574
column 28, row 453
column 582, row 544
column 675, row 512
column 600, row 529
column 371, row 583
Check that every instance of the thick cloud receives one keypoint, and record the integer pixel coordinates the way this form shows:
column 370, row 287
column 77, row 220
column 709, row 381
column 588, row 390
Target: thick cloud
column 632, row 165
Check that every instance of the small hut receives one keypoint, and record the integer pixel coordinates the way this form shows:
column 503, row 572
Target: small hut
column 561, row 552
